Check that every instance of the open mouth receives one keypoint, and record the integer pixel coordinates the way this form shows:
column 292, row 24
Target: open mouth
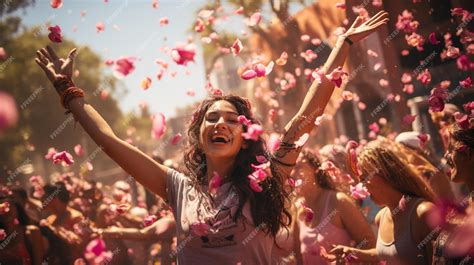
column 220, row 138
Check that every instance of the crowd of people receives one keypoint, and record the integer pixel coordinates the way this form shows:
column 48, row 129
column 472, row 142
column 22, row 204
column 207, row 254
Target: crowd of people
column 234, row 200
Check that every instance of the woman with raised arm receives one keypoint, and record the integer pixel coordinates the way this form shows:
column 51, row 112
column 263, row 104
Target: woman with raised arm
column 227, row 208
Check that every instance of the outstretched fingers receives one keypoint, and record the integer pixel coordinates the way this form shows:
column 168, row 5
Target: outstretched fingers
column 47, row 71
column 51, row 52
column 382, row 15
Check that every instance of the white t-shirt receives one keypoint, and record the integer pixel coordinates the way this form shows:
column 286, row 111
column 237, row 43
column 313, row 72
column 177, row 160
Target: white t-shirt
column 226, row 242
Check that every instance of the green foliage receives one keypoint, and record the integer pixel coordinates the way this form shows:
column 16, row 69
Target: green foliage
column 10, row 6
column 42, row 123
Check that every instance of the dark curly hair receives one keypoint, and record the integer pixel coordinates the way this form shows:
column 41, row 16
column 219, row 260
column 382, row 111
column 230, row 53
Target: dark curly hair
column 268, row 208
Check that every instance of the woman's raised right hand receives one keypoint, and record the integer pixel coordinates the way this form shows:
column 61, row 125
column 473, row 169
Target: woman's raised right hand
column 52, row 65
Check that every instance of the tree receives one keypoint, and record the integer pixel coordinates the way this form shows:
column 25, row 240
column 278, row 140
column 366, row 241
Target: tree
column 42, row 123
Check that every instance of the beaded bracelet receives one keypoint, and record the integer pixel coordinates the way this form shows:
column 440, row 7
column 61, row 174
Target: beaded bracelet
column 69, row 94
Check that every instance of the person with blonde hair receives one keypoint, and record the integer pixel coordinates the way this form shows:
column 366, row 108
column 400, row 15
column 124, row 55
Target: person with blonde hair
column 407, row 199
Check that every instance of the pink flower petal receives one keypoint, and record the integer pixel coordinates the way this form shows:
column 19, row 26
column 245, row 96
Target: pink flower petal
column 99, row 27
column 259, row 70
column 249, row 74
column 273, row 142
column 124, row 66
column 183, row 54
column 56, row 3
column 78, row 150
column 408, row 119
column 8, row 111
column 55, row 34
column 176, row 138
column 145, row 83
column 215, row 183
column 424, row 77
column 149, row 220
column 374, row 127
column 236, row 47
column 4, row 207
column 200, row 229
column 336, row 76
column 253, row 132
column 158, row 126
column 164, row 21
column 466, row 83
column 359, row 192
column 63, row 157
column 239, row 11
column 255, row 19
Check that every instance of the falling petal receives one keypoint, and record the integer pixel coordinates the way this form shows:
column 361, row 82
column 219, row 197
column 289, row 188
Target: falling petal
column 158, row 126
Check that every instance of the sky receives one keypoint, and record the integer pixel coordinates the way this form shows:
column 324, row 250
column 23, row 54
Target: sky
column 132, row 29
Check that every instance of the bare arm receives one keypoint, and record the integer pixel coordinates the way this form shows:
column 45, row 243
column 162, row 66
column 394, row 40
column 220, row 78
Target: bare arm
column 161, row 229
column 355, row 222
column 320, row 92
column 144, row 169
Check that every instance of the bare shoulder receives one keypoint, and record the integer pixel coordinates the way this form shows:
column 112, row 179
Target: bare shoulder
column 424, row 208
column 378, row 217
column 343, row 200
